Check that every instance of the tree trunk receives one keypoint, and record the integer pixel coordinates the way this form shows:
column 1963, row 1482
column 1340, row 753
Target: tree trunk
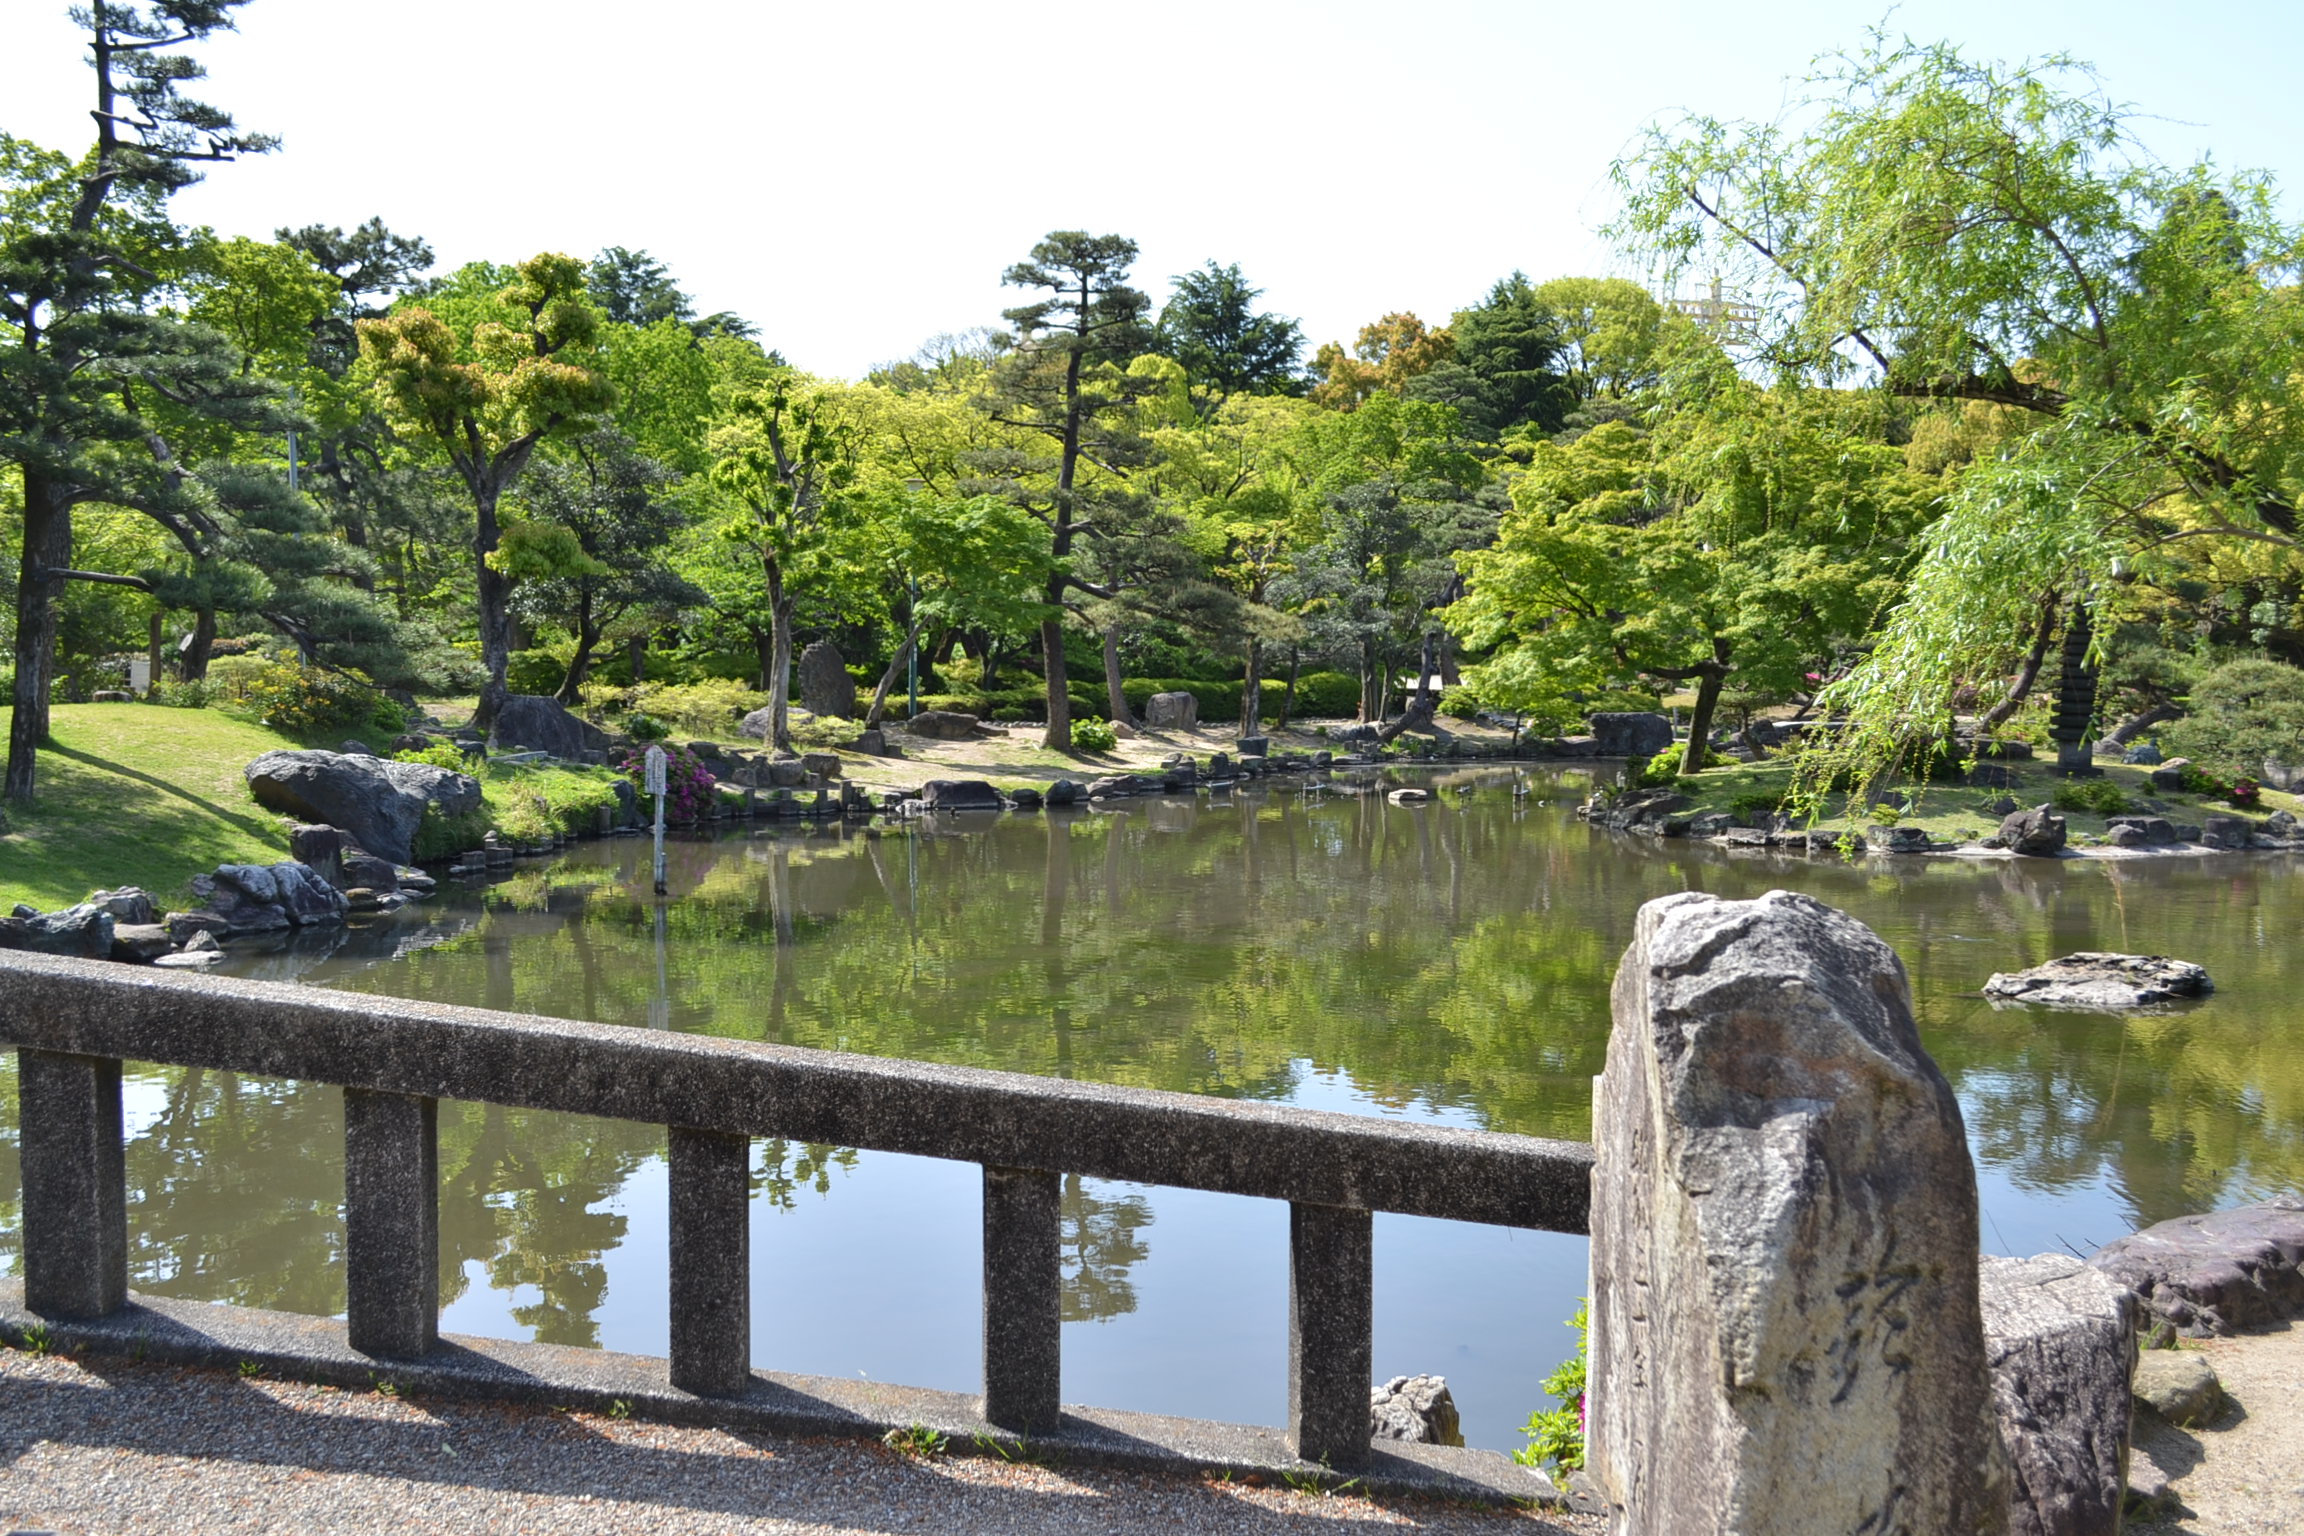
column 1288, row 699
column 764, row 652
column 1116, row 695
column 152, row 656
column 1252, row 689
column 780, row 659
column 47, row 546
column 580, row 664
column 888, row 678
column 1058, row 736
column 1708, row 686
column 1993, row 718
column 193, row 660
column 495, row 590
column 2137, row 724
column 1371, row 700
column 636, row 652
column 2075, row 697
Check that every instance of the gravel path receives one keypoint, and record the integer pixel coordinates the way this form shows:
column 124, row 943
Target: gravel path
column 105, row 1446
column 2242, row 1475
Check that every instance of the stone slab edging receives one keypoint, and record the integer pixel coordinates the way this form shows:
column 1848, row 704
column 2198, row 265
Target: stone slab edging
column 98, row 1009
column 314, row 1349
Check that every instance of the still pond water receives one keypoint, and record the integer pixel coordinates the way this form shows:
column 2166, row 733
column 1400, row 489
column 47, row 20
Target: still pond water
column 1444, row 963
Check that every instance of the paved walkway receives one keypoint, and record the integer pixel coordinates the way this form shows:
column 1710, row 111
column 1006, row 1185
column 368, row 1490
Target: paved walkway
column 108, row 1446
column 2243, row 1474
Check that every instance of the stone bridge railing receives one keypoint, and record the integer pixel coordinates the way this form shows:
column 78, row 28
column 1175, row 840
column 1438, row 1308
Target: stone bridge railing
column 73, row 1022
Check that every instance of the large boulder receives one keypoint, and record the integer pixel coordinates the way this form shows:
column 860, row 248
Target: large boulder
column 85, row 931
column 2060, row 1339
column 941, row 725
column 1417, row 1409
column 378, row 802
column 1171, row 711
column 2037, row 833
column 825, row 686
column 2179, row 1385
column 2094, row 979
column 259, row 898
column 2217, row 1274
column 757, row 724
column 529, row 722
column 1631, row 733
column 1785, row 1327
column 959, row 795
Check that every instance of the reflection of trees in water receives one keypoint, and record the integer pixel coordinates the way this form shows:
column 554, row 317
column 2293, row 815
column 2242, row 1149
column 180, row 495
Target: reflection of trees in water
column 1100, row 1245
column 784, row 1170
column 236, row 1191
column 521, row 1194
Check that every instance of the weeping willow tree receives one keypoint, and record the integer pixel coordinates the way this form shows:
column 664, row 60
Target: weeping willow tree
column 1976, row 238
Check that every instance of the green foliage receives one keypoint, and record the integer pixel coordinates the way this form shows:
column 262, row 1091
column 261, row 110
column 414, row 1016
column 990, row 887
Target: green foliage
column 645, row 727
column 532, row 803
column 197, row 694
column 1556, row 1435
column 307, row 702
column 708, row 707
column 2240, row 715
column 2101, row 796
column 439, row 837
column 1093, row 736
column 441, row 754
column 1664, row 767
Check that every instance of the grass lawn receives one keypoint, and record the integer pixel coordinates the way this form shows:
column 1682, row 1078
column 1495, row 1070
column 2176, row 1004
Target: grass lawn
column 138, row 794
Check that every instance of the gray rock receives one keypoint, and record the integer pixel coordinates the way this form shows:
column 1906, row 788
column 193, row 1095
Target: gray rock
column 356, row 748
column 1785, row 1327
column 2179, row 1385
column 1575, row 746
column 873, row 743
column 2169, row 776
column 2037, row 833
column 413, row 741
column 358, row 867
column 1710, row 824
column 1353, row 735
column 129, row 904
column 141, row 943
column 2151, row 831
column 757, row 724
column 825, row 687
column 2094, row 979
column 1112, row 786
column 2225, row 832
column 378, row 802
column 2120, row 835
column 821, row 765
column 2280, row 824
column 321, row 850
column 2216, row 1274
column 1253, row 746
column 2288, row 778
column 258, row 898
column 1409, row 796
column 959, row 795
column 1897, row 839
column 1994, row 776
column 202, row 942
column 2151, row 1492
column 2143, row 753
column 190, row 960
column 1417, row 1409
column 1024, row 799
column 2002, row 806
column 782, row 773
column 539, row 724
column 85, row 931
column 1630, row 733
column 2060, row 1339
column 1171, row 711
column 1063, row 792
column 942, row 725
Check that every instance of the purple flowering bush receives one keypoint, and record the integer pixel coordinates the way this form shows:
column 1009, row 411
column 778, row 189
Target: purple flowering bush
column 687, row 783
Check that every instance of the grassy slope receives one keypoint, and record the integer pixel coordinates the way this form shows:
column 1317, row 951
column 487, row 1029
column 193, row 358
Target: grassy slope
column 137, row 794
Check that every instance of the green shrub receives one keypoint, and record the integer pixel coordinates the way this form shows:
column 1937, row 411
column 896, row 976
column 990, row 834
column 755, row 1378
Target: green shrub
column 309, row 702
column 533, row 803
column 1459, row 703
column 1319, row 696
column 1664, row 767
column 537, row 671
column 707, row 707
column 2102, row 796
column 1093, row 736
column 196, row 694
column 1756, row 803
column 2239, row 715
column 441, row 754
column 229, row 676
column 645, row 727
column 440, row 837
column 1556, row 1435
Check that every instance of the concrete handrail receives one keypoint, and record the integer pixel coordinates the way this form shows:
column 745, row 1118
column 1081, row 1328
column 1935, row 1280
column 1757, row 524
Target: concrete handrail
column 75, row 1021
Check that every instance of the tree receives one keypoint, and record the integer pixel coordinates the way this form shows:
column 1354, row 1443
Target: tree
column 1610, row 331
column 1941, row 230
column 485, row 380
column 1502, row 372
column 1211, row 326
column 634, row 288
column 1752, row 539
column 1387, row 354
column 81, row 252
column 783, row 470
column 616, row 507
column 1063, row 380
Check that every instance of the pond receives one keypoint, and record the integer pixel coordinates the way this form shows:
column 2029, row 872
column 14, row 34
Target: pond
column 1447, row 962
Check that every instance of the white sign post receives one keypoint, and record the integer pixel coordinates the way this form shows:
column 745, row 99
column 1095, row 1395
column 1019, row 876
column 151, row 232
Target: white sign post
column 653, row 770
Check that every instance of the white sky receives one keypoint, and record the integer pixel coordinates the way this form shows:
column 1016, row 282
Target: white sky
column 853, row 177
